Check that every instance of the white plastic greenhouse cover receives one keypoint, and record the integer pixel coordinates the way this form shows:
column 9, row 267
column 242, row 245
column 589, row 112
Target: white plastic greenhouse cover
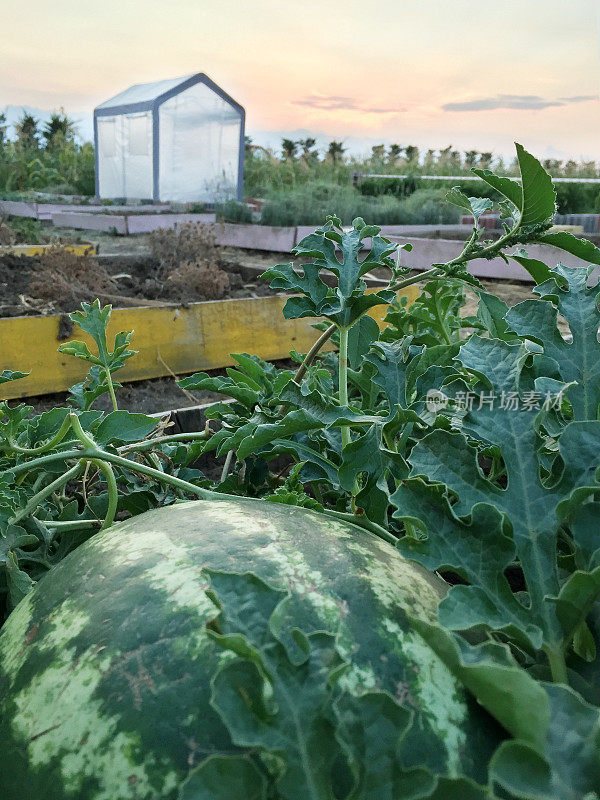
column 175, row 140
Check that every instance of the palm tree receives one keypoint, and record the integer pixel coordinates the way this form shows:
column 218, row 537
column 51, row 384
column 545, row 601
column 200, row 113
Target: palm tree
column 307, row 146
column 394, row 153
column 289, row 148
column 455, row 159
column 552, row 165
column 27, row 132
column 429, row 160
column 2, row 130
column 336, row 151
column 471, row 157
column 411, row 153
column 58, row 129
column 570, row 168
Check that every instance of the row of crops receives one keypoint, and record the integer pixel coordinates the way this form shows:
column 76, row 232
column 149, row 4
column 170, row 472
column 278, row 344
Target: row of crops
column 388, row 588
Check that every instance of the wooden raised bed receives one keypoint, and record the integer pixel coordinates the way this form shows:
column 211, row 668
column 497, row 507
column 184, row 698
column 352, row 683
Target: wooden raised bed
column 82, row 249
column 171, row 339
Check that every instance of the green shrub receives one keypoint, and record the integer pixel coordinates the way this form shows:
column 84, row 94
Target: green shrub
column 430, row 207
column 398, row 187
column 306, row 204
column 233, row 211
column 577, row 198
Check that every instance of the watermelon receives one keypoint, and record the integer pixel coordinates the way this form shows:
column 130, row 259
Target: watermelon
column 105, row 666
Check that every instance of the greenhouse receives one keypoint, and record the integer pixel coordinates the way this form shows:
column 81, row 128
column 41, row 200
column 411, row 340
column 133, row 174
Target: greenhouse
column 178, row 140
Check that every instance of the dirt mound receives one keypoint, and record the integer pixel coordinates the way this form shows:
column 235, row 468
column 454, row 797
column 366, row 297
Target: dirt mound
column 202, row 281
column 59, row 281
column 63, row 277
column 54, row 281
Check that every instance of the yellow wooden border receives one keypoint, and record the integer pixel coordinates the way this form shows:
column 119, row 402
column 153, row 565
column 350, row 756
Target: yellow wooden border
column 174, row 339
column 86, row 248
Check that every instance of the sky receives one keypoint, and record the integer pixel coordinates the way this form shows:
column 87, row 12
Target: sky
column 477, row 74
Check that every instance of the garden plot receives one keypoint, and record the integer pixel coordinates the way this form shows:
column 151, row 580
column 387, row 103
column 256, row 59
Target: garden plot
column 389, row 588
column 57, row 281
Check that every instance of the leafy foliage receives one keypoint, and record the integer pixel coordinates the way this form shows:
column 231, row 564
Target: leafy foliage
column 347, row 301
column 280, row 697
column 93, row 319
column 41, row 517
column 471, row 444
column 49, row 160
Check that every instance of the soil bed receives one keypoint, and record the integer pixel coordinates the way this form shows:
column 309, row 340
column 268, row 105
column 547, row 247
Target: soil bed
column 57, row 282
column 142, row 397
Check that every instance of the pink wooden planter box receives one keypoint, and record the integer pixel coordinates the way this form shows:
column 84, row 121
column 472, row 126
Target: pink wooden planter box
column 145, row 223
column 17, row 208
column 91, row 222
column 426, row 252
column 256, row 237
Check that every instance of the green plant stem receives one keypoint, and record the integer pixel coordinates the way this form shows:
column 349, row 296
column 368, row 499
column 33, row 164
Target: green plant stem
column 147, row 444
column 468, row 254
column 363, row 522
column 53, row 442
column 226, row 465
column 94, row 453
column 204, row 494
column 327, row 334
column 113, row 491
column 83, row 437
column 343, row 382
column 27, row 466
column 162, row 477
column 34, row 501
column 111, row 388
column 435, row 272
column 68, row 525
column 558, row 666
column 310, row 356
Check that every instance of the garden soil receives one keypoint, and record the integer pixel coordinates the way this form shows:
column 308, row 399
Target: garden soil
column 58, row 281
column 125, row 275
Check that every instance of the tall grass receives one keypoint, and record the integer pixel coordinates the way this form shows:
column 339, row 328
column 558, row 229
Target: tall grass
column 310, row 203
column 67, row 168
column 298, row 189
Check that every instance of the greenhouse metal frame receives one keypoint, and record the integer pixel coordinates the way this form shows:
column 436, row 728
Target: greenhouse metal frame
column 154, row 96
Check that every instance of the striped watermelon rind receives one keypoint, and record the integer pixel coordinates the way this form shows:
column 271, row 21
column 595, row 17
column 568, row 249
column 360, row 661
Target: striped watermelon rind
column 105, row 667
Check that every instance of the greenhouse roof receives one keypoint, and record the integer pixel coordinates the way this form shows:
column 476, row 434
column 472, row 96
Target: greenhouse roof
column 144, row 96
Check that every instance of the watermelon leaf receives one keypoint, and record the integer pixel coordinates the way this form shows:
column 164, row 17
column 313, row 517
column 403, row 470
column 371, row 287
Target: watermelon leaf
column 119, row 427
column 93, row 319
column 225, row 778
column 539, row 197
column 290, row 704
column 566, row 765
column 371, row 729
column 579, row 360
column 474, row 205
column 460, row 502
column 346, row 302
column 11, row 375
column 582, row 248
